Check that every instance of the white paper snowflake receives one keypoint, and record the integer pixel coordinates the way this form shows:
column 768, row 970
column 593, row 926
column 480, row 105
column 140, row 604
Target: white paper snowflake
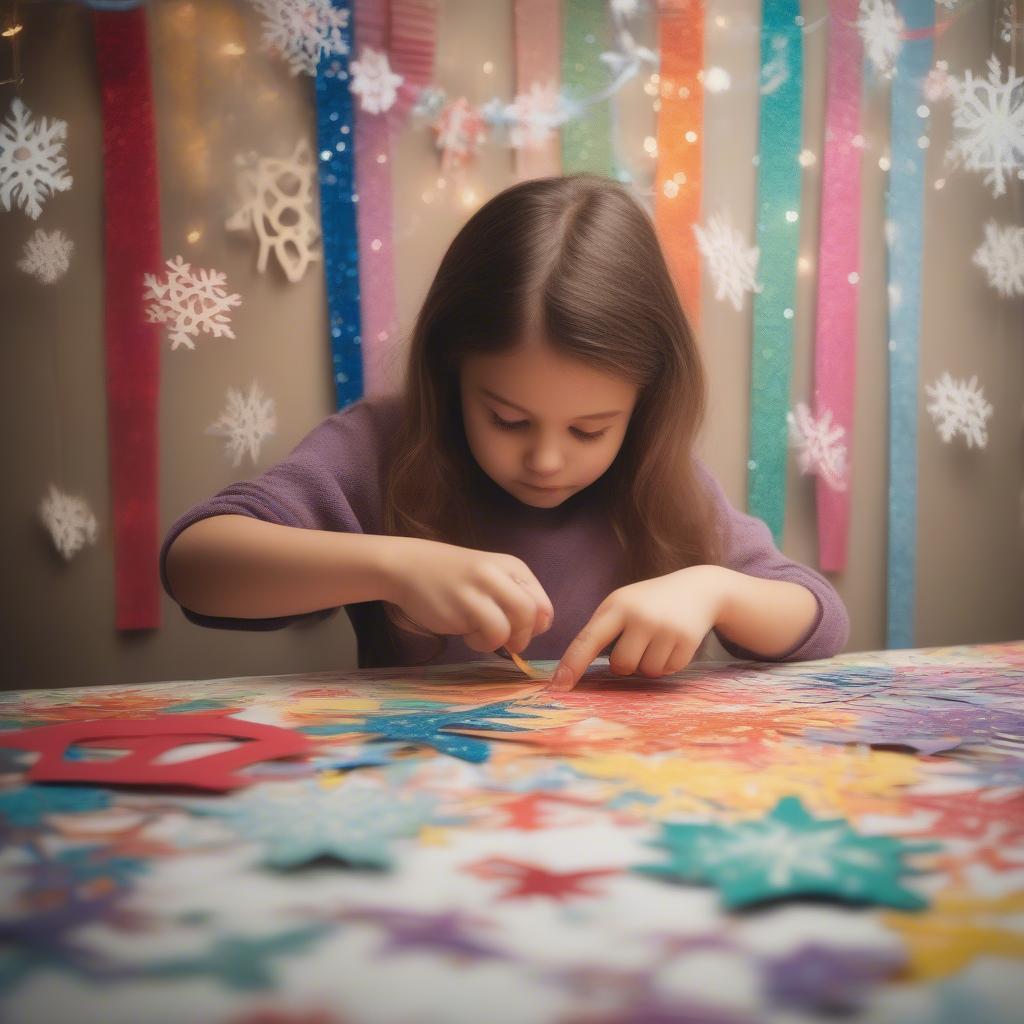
column 775, row 72
column 819, row 444
column 534, row 115
column 732, row 263
column 303, row 31
column 69, row 520
column 880, row 28
column 279, row 202
column 32, row 163
column 47, row 255
column 624, row 8
column 988, row 124
column 374, row 81
column 1001, row 256
column 245, row 422
column 190, row 302
column 959, row 407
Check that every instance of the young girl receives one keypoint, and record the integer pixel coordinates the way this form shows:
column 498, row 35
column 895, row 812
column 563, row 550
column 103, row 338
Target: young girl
column 533, row 485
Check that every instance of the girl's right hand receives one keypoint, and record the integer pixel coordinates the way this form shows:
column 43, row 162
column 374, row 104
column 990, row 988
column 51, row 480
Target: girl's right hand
column 488, row 598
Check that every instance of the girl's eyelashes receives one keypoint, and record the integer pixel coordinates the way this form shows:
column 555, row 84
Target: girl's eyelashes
column 583, row 435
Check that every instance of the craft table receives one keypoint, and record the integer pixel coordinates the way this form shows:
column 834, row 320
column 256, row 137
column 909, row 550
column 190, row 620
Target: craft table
column 738, row 842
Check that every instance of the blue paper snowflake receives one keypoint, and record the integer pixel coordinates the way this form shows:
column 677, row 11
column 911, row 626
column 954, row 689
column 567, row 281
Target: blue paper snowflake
column 789, row 853
column 432, row 728
column 27, row 806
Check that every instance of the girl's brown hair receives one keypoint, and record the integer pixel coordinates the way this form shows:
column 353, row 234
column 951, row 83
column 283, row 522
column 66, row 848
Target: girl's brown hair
column 573, row 260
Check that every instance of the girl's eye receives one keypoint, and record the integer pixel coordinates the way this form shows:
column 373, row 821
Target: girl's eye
column 583, row 435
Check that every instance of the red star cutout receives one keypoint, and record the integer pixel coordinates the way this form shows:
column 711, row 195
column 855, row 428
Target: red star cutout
column 533, row 880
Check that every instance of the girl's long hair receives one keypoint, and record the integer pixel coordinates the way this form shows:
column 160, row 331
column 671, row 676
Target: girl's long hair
column 573, row 260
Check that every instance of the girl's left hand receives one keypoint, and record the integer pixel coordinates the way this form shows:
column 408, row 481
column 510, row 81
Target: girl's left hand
column 662, row 622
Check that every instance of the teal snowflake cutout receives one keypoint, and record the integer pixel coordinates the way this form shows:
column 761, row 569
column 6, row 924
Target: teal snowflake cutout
column 353, row 823
column 432, row 728
column 28, row 806
column 789, row 853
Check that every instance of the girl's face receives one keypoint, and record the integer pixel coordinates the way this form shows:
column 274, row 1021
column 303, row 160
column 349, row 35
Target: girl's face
column 542, row 426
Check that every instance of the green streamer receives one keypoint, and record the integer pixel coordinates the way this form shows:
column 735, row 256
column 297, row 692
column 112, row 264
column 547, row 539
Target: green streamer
column 586, row 140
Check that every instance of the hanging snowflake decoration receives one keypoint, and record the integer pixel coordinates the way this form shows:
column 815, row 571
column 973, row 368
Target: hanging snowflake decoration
column 819, row 444
column 880, row 28
column 533, row 115
column 789, row 853
column 959, row 407
column 279, row 204
column 189, row 302
column 32, row 162
column 988, row 125
column 47, row 256
column 303, row 31
column 937, row 82
column 732, row 263
column 245, row 422
column 1001, row 256
column 69, row 521
column 374, row 81
column 460, row 131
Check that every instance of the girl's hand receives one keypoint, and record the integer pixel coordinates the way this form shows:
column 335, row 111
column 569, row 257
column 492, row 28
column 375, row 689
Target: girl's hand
column 488, row 598
column 662, row 622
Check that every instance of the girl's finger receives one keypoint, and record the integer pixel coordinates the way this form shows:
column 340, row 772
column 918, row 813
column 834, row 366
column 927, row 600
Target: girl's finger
column 603, row 627
column 631, row 647
column 680, row 657
column 655, row 658
column 492, row 625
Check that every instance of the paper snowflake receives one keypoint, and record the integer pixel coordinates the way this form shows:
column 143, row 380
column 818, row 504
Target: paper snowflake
column 47, row 256
column 303, row 31
column 460, row 130
column 190, row 302
column 624, row 8
column 819, row 445
column 69, row 520
column 297, row 823
column 789, row 853
column 32, row 163
column 880, row 28
column 374, row 81
column 988, row 124
column 534, row 115
column 245, row 422
column 1001, row 256
column 959, row 407
column 279, row 203
column 732, row 263
column 775, row 72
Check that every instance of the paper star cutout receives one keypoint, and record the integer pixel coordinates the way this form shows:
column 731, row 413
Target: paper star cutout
column 299, row 823
column 408, row 931
column 534, row 880
column 433, row 728
column 789, row 853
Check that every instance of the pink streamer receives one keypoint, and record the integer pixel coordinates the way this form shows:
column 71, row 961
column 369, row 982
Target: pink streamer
column 406, row 30
column 835, row 348
column 538, row 35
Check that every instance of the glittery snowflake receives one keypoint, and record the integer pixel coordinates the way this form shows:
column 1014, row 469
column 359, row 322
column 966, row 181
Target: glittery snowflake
column 32, row 162
column 374, row 81
column 303, row 31
column 1001, row 256
column 279, row 203
column 819, row 444
column 297, row 823
column 789, row 853
column 959, row 407
column 732, row 263
column 460, row 130
column 69, row 520
column 190, row 302
column 880, row 28
column 988, row 125
column 533, row 115
column 47, row 256
column 245, row 422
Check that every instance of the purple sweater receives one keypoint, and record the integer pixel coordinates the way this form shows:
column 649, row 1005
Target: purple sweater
column 332, row 480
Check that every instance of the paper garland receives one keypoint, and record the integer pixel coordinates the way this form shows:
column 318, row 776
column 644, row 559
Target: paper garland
column 905, row 230
column 778, row 232
column 132, row 205
column 835, row 332
column 586, row 142
column 538, row 41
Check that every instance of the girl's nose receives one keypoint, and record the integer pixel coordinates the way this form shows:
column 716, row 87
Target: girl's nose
column 544, row 460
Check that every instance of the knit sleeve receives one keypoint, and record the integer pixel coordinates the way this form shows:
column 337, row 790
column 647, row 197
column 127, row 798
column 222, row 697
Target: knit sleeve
column 749, row 548
column 329, row 481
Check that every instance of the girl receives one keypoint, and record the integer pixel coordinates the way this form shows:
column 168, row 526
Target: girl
column 533, row 484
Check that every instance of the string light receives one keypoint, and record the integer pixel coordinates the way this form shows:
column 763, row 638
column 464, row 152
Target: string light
column 13, row 32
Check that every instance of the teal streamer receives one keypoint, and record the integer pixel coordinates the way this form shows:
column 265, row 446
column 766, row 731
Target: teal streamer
column 905, row 217
column 778, row 235
column 336, row 148
column 586, row 139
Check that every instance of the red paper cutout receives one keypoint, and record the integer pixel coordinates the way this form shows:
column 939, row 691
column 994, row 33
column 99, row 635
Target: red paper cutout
column 147, row 738
column 534, row 880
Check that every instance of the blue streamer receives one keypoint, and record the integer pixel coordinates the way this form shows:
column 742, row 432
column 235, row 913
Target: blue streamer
column 336, row 144
column 905, row 214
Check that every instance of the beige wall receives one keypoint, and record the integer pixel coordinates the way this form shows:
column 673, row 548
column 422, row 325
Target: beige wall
column 58, row 617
